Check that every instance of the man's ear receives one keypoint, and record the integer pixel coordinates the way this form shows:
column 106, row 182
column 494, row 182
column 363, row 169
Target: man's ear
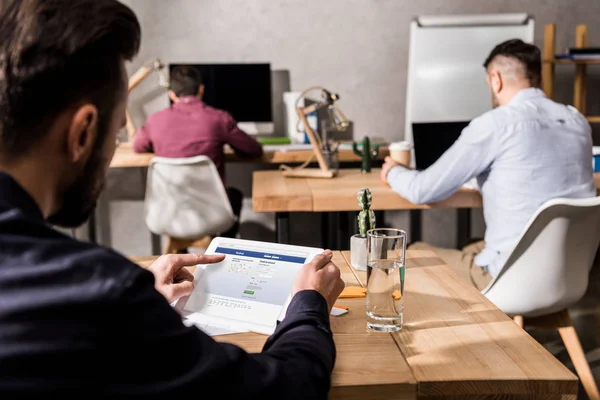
column 82, row 133
column 173, row 96
column 496, row 82
column 201, row 91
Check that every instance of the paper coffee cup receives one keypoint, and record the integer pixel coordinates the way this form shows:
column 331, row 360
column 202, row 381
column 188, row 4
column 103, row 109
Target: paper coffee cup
column 400, row 153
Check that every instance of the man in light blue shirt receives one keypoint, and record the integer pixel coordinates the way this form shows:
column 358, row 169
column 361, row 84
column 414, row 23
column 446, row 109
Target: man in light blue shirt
column 524, row 152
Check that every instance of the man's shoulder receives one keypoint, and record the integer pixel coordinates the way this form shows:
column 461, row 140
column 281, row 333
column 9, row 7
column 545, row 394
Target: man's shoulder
column 492, row 119
column 57, row 259
column 481, row 127
column 113, row 271
column 499, row 118
column 157, row 115
column 217, row 112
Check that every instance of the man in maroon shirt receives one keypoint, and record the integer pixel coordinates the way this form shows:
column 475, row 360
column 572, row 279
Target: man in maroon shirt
column 190, row 128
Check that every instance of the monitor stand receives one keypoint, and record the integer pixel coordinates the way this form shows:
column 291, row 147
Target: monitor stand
column 257, row 128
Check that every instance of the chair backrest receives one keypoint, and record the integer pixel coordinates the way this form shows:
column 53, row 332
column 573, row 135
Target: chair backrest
column 549, row 267
column 185, row 198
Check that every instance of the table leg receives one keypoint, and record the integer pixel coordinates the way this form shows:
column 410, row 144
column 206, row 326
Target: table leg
column 352, row 224
column 282, row 227
column 415, row 225
column 155, row 243
column 463, row 224
column 328, row 239
column 341, row 230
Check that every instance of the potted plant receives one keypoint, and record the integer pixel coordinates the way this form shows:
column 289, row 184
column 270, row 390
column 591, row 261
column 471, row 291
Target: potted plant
column 366, row 221
column 368, row 154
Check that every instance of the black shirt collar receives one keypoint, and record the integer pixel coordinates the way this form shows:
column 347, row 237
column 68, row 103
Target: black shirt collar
column 12, row 195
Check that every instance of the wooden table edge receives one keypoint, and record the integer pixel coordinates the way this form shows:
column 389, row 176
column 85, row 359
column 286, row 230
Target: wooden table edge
column 506, row 387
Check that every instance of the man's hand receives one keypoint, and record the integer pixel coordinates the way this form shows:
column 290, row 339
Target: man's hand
column 321, row 275
column 386, row 167
column 171, row 279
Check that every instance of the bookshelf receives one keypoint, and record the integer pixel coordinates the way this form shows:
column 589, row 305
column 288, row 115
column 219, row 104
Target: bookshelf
column 549, row 63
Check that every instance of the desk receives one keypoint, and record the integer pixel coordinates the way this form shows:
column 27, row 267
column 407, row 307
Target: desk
column 455, row 344
column 272, row 192
column 126, row 158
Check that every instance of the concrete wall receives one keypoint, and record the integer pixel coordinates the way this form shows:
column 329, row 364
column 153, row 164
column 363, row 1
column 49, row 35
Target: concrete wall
column 358, row 48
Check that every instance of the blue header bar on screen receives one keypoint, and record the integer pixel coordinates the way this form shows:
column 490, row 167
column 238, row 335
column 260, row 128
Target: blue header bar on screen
column 256, row 254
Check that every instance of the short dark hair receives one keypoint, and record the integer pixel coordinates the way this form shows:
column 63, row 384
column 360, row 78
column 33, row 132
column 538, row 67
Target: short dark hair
column 526, row 53
column 185, row 81
column 55, row 54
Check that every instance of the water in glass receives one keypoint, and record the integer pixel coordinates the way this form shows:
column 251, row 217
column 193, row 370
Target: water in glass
column 385, row 289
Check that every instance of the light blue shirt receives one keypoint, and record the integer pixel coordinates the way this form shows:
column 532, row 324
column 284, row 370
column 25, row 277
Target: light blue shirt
column 522, row 154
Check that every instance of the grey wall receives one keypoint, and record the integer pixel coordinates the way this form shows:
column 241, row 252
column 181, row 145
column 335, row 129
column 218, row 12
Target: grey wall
column 358, row 48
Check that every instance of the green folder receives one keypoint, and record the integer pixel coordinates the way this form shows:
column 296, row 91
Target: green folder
column 274, row 140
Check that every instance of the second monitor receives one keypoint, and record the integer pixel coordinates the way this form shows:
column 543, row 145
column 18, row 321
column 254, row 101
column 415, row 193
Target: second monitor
column 243, row 90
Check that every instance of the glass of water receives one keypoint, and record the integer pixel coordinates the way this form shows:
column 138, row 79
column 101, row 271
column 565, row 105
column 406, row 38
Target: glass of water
column 386, row 252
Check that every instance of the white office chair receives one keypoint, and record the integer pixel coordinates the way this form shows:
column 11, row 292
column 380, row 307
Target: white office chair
column 548, row 272
column 186, row 201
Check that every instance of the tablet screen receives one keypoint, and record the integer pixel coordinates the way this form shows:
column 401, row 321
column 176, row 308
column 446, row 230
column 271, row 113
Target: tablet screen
column 252, row 285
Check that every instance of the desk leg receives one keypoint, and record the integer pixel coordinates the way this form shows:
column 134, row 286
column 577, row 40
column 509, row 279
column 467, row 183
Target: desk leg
column 282, row 227
column 155, row 243
column 326, row 240
column 415, row 225
column 463, row 223
column 340, row 225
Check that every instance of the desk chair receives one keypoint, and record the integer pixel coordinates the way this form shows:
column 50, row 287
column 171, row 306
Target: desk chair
column 548, row 272
column 186, row 201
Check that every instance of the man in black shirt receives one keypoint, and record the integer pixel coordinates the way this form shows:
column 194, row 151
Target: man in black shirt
column 76, row 318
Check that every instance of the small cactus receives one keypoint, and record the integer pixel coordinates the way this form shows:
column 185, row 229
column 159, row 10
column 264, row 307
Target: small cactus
column 366, row 217
column 368, row 153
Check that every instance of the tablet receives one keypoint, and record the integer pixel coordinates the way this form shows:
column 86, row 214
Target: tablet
column 249, row 290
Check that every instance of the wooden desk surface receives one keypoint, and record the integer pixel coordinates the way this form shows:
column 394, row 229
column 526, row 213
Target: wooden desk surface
column 125, row 157
column 368, row 365
column 459, row 345
column 272, row 192
column 455, row 344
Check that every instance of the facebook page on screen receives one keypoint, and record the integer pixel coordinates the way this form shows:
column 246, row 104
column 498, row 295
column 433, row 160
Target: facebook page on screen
column 252, row 284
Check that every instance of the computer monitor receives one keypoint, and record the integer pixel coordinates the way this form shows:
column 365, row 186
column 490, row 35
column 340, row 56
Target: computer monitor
column 243, row 90
column 432, row 139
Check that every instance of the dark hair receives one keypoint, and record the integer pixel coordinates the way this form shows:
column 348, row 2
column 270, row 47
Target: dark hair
column 55, row 54
column 526, row 53
column 185, row 81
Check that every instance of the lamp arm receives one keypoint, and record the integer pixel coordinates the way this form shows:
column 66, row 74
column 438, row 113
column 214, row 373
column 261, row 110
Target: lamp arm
column 151, row 65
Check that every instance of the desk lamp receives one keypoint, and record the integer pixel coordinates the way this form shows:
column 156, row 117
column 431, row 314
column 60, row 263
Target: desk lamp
column 337, row 120
column 151, row 65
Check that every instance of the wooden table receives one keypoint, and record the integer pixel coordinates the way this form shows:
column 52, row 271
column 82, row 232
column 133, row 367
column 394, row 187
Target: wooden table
column 272, row 192
column 125, row 157
column 455, row 344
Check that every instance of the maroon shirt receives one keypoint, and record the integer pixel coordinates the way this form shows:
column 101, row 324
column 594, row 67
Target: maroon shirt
column 190, row 128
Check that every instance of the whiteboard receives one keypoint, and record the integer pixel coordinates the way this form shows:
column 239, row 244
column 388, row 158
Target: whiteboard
column 446, row 78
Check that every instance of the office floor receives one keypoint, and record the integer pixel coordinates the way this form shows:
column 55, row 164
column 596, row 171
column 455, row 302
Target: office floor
column 586, row 319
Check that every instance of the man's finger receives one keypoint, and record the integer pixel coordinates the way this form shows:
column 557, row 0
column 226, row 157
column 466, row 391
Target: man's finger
column 184, row 275
column 181, row 289
column 210, row 259
column 188, row 260
column 321, row 260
